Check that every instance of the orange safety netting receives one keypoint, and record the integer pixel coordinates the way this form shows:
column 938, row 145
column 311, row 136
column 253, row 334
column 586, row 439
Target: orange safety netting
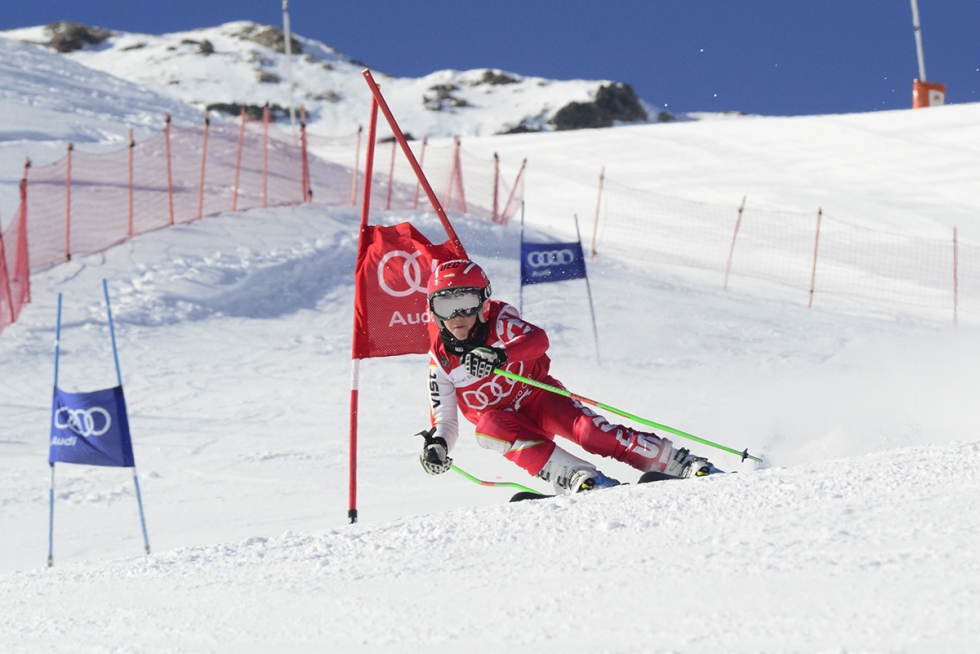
column 813, row 252
column 89, row 201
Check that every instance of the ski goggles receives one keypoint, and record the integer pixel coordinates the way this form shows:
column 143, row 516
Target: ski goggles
column 462, row 302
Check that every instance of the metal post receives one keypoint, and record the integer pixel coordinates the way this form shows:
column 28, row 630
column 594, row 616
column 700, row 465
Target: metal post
column 496, row 189
column 391, row 173
column 289, row 64
column 731, row 252
column 357, row 164
column 588, row 289
column 418, row 184
column 112, row 330
column 816, row 244
column 510, row 198
column 68, row 206
column 204, row 160
column 139, row 501
column 51, row 519
column 132, row 145
column 918, row 41
column 57, row 342
column 238, row 161
column 598, row 205
column 265, row 155
column 170, row 178
column 520, row 305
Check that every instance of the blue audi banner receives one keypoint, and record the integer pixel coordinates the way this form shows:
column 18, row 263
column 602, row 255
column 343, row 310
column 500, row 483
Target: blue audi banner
column 551, row 262
column 91, row 428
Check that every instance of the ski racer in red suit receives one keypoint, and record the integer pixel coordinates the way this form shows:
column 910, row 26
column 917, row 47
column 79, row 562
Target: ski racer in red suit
column 470, row 335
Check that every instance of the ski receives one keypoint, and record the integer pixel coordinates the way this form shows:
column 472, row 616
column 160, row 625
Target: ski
column 645, row 478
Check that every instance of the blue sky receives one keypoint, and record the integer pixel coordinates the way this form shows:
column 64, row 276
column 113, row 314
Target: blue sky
column 774, row 58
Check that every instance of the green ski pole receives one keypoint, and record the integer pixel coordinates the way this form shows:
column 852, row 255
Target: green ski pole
column 427, row 435
column 499, row 484
column 643, row 421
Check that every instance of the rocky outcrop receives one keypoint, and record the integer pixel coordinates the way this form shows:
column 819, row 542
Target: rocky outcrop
column 613, row 102
column 68, row 37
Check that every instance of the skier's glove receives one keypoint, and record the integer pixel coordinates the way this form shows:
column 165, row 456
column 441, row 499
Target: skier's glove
column 481, row 361
column 435, row 455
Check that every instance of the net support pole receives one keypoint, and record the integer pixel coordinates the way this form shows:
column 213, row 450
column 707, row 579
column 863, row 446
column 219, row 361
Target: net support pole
column 510, row 198
column 21, row 245
column 391, row 173
column 265, row 155
column 307, row 189
column 520, row 305
column 956, row 281
column 496, row 190
column 4, row 268
column 598, row 204
column 132, row 146
column 588, row 290
column 238, row 160
column 170, row 177
column 358, row 289
column 452, row 174
column 418, row 185
column 204, row 160
column 357, row 164
column 731, row 252
column 459, row 174
column 68, row 205
column 816, row 246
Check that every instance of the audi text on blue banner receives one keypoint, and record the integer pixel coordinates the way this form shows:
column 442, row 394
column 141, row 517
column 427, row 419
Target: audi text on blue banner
column 551, row 262
column 91, row 428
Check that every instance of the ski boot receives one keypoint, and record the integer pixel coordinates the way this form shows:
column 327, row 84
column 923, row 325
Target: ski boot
column 684, row 464
column 570, row 474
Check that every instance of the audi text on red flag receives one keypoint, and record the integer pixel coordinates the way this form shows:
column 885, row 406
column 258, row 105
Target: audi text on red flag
column 393, row 268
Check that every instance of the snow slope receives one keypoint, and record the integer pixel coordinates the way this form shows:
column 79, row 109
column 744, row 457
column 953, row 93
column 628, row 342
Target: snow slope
column 234, row 343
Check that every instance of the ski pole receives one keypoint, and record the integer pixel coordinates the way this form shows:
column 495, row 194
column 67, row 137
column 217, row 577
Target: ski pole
column 499, row 484
column 643, row 421
column 427, row 435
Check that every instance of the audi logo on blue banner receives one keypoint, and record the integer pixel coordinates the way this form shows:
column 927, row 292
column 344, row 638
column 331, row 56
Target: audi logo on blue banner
column 551, row 262
column 91, row 428
column 550, row 258
column 84, row 422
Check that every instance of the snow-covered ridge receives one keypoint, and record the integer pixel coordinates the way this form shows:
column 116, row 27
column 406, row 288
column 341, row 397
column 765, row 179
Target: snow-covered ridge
column 244, row 63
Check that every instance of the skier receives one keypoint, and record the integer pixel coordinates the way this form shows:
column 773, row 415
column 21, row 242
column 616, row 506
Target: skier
column 470, row 335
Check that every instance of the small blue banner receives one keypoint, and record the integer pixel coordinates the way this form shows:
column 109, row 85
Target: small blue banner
column 551, row 262
column 91, row 428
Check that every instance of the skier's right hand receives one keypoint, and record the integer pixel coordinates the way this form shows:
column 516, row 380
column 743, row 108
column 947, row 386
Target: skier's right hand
column 435, row 456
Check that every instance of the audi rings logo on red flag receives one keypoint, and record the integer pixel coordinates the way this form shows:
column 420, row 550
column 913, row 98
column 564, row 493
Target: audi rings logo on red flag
column 90, row 428
column 393, row 269
column 411, row 274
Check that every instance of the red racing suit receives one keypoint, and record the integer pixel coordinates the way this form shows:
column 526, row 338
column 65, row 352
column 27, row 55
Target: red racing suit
column 518, row 420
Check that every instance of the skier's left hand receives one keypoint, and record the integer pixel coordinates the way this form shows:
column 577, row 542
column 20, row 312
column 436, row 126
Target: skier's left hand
column 480, row 362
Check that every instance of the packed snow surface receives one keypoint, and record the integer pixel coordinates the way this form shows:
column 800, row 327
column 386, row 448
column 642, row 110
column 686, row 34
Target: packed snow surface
column 858, row 534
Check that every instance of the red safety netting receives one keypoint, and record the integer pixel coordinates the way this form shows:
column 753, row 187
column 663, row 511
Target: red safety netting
column 88, row 201
column 15, row 280
column 815, row 253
